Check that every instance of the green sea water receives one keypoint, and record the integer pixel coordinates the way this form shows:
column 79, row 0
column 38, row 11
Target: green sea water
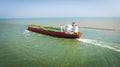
column 22, row 48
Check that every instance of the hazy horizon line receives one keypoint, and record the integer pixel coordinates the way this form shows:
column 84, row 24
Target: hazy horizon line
column 54, row 17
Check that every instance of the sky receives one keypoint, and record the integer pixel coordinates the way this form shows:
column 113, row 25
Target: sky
column 59, row 8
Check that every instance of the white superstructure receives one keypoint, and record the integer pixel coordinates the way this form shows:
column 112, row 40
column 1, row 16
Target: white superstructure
column 69, row 28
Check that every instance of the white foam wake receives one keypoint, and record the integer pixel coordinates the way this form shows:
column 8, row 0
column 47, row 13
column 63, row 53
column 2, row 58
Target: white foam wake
column 26, row 31
column 101, row 44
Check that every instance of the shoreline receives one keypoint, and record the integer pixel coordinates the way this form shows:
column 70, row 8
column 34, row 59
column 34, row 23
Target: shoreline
column 99, row 28
column 85, row 27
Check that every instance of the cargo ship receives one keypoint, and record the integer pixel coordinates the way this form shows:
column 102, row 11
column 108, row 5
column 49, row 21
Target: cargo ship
column 53, row 31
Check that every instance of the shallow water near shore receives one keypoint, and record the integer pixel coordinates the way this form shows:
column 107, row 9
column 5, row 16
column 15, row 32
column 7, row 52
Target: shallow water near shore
column 22, row 48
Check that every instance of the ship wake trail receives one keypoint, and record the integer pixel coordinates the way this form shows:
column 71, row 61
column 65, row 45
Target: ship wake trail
column 26, row 31
column 112, row 46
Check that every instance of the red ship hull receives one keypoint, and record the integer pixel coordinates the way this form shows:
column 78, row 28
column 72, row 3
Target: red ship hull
column 54, row 33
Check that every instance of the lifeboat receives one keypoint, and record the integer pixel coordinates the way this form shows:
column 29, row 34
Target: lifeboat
column 53, row 31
